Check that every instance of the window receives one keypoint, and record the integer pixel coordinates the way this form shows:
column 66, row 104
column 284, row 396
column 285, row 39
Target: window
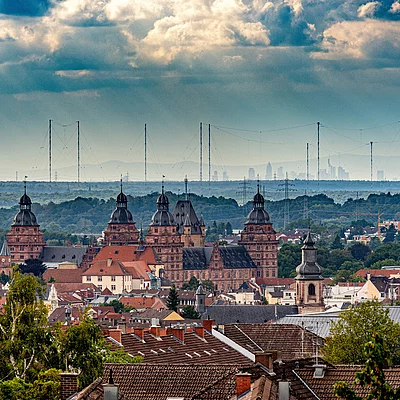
column 21, row 257
column 99, row 278
column 88, row 278
column 100, row 287
column 113, row 278
column 311, row 289
column 113, row 287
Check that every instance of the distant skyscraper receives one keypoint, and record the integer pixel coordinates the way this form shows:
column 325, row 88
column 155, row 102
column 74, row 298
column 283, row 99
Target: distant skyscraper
column 215, row 176
column 225, row 176
column 380, row 175
column 342, row 174
column 279, row 173
column 252, row 174
column 268, row 172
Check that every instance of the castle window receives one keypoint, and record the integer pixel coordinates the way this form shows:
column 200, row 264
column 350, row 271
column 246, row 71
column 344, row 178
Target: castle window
column 273, row 274
column 156, row 230
column 258, row 274
column 21, row 248
column 311, row 289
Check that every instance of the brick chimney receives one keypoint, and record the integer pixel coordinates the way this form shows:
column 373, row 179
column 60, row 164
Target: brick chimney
column 69, row 384
column 109, row 262
column 122, row 326
column 243, row 383
column 116, row 334
column 266, row 359
column 199, row 331
column 179, row 334
column 139, row 332
column 155, row 330
column 207, row 324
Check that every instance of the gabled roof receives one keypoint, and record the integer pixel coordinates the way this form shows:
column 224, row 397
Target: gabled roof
column 194, row 350
column 126, row 253
column 105, row 268
column 63, row 275
column 155, row 382
column 59, row 254
column 138, row 268
column 291, row 341
column 5, row 251
column 184, row 214
column 230, row 314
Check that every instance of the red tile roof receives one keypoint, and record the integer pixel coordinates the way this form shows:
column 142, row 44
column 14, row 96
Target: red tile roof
column 138, row 302
column 63, row 275
column 106, row 268
column 275, row 281
column 377, row 272
column 138, row 269
column 126, row 253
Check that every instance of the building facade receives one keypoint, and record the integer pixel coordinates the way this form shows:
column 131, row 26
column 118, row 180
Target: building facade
column 25, row 240
column 259, row 239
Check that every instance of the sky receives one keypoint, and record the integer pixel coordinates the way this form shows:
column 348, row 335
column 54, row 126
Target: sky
column 262, row 73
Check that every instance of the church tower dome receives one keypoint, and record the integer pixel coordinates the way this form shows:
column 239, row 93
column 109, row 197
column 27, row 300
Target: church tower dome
column 121, row 215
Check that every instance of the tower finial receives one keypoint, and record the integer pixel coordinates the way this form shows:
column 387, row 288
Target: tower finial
column 121, row 183
column 25, row 184
column 162, row 184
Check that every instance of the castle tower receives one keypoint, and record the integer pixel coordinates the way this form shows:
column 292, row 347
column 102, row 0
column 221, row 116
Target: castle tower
column 259, row 238
column 165, row 239
column 5, row 255
column 25, row 240
column 121, row 230
column 192, row 230
column 309, row 291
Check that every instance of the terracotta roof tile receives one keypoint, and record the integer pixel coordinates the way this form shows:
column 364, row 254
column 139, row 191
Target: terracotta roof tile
column 63, row 275
column 104, row 267
column 126, row 253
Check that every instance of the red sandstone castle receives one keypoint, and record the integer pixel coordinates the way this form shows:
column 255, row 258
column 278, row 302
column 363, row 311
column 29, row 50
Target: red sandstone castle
column 177, row 239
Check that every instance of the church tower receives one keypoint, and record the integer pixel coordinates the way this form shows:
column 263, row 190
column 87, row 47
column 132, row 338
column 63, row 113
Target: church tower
column 25, row 240
column 259, row 238
column 121, row 230
column 309, row 291
column 164, row 238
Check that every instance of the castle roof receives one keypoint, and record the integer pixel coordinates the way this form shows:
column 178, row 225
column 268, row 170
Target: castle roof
column 121, row 215
column 162, row 217
column 25, row 216
column 258, row 215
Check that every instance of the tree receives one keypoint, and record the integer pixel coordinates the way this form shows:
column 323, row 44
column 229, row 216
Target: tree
column 390, row 234
column 228, row 227
column 193, row 284
column 4, row 278
column 189, row 312
column 355, row 327
column 360, row 251
column 337, row 243
column 24, row 330
column 118, row 306
column 32, row 266
column 372, row 377
column 173, row 299
column 289, row 257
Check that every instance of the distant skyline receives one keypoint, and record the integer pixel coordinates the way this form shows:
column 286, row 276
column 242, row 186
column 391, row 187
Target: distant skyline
column 262, row 73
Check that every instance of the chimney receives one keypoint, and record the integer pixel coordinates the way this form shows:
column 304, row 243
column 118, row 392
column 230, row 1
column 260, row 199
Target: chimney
column 155, row 330
column 266, row 359
column 69, row 384
column 139, row 332
column 208, row 323
column 109, row 262
column 284, row 390
column 116, row 334
column 243, row 383
column 199, row 331
column 110, row 389
column 179, row 334
column 122, row 326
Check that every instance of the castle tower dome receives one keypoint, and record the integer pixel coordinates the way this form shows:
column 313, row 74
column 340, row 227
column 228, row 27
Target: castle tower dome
column 162, row 217
column 258, row 215
column 25, row 216
column 121, row 215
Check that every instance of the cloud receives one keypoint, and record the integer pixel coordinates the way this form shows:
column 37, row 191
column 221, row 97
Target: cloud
column 395, row 8
column 369, row 9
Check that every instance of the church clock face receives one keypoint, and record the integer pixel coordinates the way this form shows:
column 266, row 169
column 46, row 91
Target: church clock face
column 3, row 260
